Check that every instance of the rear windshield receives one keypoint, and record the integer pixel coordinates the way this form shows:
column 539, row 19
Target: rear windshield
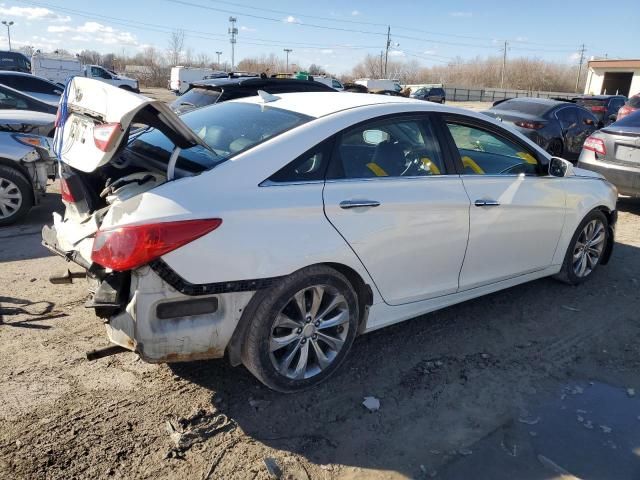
column 228, row 128
column 531, row 108
column 195, row 98
column 634, row 101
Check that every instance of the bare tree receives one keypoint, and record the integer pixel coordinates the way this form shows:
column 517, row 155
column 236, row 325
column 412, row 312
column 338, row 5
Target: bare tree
column 90, row 57
column 188, row 56
column 203, row 60
column 176, row 45
column 316, row 70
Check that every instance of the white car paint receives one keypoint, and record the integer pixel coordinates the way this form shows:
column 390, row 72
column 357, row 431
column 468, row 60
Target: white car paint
column 426, row 247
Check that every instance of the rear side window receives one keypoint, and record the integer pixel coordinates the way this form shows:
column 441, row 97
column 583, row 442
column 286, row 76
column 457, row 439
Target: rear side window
column 336, row 84
column 568, row 117
column 197, row 97
column 228, row 128
column 308, row 167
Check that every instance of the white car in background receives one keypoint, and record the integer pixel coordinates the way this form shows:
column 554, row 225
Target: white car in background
column 277, row 228
column 330, row 81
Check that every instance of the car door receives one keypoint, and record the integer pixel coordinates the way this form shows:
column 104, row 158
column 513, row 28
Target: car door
column 517, row 210
column 392, row 197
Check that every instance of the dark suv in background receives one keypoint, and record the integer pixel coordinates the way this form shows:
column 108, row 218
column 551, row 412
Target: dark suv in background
column 602, row 106
column 431, row 94
column 14, row 62
column 208, row 92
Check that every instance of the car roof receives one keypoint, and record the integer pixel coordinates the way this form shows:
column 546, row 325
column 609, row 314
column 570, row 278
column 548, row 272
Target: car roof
column 252, row 81
column 319, row 104
column 20, row 74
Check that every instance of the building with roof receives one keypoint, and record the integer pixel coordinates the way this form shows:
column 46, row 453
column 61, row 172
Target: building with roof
column 613, row 77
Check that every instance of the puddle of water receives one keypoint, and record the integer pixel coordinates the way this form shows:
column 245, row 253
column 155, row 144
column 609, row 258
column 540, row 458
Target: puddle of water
column 589, row 430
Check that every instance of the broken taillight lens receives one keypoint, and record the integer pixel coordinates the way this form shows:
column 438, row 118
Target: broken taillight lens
column 531, row 125
column 65, row 191
column 129, row 247
column 105, row 135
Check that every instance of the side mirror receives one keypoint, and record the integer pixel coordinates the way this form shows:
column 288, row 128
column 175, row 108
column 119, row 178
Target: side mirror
column 374, row 137
column 613, row 117
column 559, row 167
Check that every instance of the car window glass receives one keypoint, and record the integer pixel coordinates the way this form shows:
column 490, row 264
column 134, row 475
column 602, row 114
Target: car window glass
column 398, row 147
column 310, row 166
column 486, row 153
column 36, row 85
column 9, row 101
column 568, row 117
column 336, row 84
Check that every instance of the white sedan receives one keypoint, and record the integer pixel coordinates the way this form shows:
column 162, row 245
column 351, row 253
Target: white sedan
column 275, row 229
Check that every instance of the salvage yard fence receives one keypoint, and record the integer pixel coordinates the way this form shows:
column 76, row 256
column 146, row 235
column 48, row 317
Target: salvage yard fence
column 460, row 94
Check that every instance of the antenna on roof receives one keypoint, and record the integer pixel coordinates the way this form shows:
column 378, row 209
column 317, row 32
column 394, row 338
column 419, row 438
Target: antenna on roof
column 267, row 97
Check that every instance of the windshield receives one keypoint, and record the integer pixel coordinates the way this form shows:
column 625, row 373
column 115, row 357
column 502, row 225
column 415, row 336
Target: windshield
column 228, row 128
column 531, row 108
column 195, row 98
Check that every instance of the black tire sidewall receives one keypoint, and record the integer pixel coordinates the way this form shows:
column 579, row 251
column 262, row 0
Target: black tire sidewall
column 567, row 267
column 255, row 351
column 26, row 190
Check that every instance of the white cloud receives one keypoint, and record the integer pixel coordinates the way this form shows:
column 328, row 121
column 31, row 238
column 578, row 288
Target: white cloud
column 291, row 19
column 33, row 13
column 94, row 27
column 461, row 14
column 326, row 51
column 574, row 57
column 429, row 52
column 247, row 29
column 396, row 53
column 59, row 28
column 355, row 13
column 521, row 39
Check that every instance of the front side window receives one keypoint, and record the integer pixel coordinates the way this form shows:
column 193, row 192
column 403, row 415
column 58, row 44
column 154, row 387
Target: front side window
column 485, row 153
column 10, row 101
column 568, row 117
column 336, row 84
column 228, row 128
column 398, row 147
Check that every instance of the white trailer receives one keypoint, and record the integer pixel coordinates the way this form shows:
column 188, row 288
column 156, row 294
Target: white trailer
column 379, row 84
column 181, row 77
column 59, row 68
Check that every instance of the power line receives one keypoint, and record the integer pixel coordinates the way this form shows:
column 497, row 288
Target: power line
column 582, row 49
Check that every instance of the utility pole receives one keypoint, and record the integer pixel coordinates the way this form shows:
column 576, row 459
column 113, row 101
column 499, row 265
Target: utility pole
column 218, row 54
column 288, row 51
column 386, row 55
column 233, row 31
column 582, row 49
column 504, row 63
column 8, row 24
column 381, row 63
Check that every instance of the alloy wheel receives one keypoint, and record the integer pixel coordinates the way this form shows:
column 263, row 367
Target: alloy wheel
column 10, row 198
column 588, row 248
column 309, row 332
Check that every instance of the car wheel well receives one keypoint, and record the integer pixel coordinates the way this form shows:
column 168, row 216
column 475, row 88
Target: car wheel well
column 611, row 221
column 363, row 292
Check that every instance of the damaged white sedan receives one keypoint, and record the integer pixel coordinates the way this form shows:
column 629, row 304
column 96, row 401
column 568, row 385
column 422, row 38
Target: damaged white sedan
column 275, row 229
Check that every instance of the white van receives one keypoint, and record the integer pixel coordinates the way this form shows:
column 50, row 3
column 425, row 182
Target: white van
column 59, row 68
column 181, row 77
column 380, row 84
column 331, row 82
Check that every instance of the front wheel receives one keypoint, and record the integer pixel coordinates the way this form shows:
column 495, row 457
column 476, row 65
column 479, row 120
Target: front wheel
column 15, row 195
column 301, row 330
column 586, row 249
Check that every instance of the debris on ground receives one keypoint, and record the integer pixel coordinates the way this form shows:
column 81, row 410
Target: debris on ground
column 272, row 468
column 464, row 451
column 529, row 420
column 259, row 404
column 605, row 428
column 371, row 403
column 200, row 426
column 631, row 392
column 550, row 464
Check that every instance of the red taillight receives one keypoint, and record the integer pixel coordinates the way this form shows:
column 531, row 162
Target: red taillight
column 126, row 248
column 65, row 192
column 105, row 135
column 599, row 109
column 595, row 145
column 531, row 125
column 624, row 111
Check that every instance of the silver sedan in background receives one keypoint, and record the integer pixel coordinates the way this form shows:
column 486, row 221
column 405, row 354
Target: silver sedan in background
column 614, row 152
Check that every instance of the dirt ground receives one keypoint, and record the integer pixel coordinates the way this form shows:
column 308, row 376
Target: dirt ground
column 445, row 381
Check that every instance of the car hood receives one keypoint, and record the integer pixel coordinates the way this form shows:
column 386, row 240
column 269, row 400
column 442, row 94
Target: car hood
column 581, row 172
column 91, row 103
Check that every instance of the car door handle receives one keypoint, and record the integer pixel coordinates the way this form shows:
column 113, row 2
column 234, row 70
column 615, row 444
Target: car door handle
column 486, row 203
column 346, row 204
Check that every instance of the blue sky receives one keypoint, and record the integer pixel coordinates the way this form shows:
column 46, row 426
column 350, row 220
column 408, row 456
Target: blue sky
column 333, row 33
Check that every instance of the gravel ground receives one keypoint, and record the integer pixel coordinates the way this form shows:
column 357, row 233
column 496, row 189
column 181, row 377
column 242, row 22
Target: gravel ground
column 444, row 380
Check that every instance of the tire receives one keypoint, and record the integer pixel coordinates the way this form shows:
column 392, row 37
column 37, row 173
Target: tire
column 279, row 335
column 16, row 195
column 126, row 87
column 572, row 271
column 555, row 147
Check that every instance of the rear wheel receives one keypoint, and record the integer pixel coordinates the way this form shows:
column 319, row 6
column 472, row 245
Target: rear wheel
column 301, row 329
column 15, row 195
column 586, row 249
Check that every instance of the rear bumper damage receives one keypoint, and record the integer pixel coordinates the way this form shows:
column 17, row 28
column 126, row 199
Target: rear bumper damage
column 144, row 313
